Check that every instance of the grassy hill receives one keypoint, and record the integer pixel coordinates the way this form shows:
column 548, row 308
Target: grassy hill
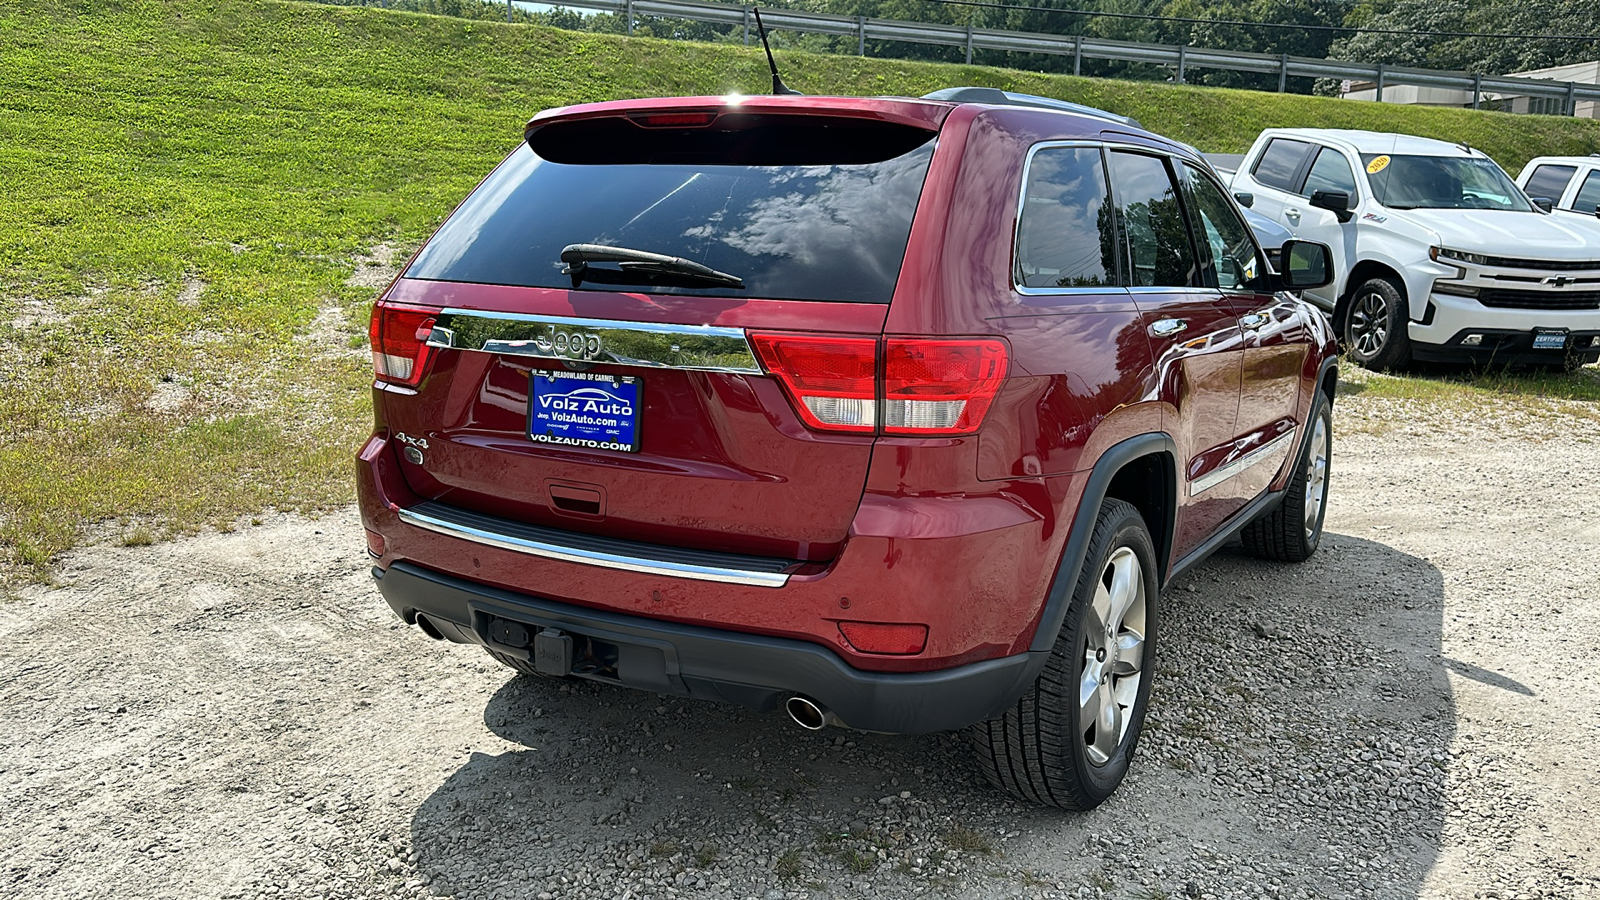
column 190, row 186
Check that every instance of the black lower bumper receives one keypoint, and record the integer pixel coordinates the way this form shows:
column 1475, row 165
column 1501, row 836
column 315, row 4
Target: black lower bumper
column 707, row 663
column 1501, row 347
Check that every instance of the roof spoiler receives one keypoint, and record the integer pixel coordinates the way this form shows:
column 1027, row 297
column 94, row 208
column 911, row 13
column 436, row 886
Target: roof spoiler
column 998, row 97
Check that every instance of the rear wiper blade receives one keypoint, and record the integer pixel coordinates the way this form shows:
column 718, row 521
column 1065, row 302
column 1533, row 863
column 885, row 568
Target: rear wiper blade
column 638, row 267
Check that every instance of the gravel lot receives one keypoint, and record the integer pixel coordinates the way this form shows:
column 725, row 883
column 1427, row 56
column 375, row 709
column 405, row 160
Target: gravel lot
column 1410, row 714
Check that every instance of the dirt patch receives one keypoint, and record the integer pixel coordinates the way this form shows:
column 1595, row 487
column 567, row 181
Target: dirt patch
column 375, row 269
column 1409, row 714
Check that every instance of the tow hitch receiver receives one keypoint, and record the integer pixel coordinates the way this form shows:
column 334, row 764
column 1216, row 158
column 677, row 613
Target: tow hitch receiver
column 552, row 652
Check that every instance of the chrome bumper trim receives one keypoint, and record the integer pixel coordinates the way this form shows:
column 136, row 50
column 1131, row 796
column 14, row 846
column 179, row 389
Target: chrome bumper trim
column 700, row 348
column 593, row 558
column 1222, row 473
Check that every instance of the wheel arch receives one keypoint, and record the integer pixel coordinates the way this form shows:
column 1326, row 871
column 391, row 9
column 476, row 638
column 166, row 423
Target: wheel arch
column 1140, row 470
column 1364, row 271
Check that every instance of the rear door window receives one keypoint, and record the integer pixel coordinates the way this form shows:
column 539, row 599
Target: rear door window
column 1549, row 181
column 807, row 228
column 1331, row 172
column 1157, row 240
column 1065, row 235
column 1280, row 163
column 1588, row 195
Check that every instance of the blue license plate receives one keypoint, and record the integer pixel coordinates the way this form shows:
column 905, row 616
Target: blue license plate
column 583, row 409
column 1549, row 340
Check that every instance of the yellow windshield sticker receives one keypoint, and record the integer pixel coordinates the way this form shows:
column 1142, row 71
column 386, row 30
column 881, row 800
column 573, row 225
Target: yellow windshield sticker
column 1377, row 165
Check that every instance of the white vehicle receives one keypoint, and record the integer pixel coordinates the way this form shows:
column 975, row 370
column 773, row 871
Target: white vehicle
column 1437, row 254
column 1570, row 183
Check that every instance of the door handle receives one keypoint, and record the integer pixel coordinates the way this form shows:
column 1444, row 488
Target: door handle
column 1292, row 213
column 1254, row 320
column 1168, row 327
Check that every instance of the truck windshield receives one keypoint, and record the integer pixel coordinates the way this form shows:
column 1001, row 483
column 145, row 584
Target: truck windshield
column 1441, row 182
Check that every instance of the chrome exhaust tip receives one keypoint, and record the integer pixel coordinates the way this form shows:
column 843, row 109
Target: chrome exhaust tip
column 806, row 713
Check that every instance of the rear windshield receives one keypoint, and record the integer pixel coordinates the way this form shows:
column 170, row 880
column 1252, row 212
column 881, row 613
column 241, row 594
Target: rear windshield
column 822, row 230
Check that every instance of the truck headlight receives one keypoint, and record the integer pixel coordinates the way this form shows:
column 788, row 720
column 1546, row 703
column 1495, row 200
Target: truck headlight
column 1438, row 253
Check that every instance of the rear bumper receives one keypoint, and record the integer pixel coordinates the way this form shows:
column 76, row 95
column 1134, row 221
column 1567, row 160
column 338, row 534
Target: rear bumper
column 714, row 664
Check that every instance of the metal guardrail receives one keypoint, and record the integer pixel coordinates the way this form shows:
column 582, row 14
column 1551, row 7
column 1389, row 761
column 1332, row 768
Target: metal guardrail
column 1178, row 58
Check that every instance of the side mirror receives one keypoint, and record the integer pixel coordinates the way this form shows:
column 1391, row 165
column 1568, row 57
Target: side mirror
column 1336, row 202
column 1306, row 264
column 1247, row 199
column 1597, row 211
column 1545, row 204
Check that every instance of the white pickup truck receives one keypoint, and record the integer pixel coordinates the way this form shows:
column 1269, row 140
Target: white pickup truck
column 1438, row 255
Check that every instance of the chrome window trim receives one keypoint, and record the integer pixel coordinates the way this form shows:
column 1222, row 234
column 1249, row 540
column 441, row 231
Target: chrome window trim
column 1016, row 224
column 648, row 344
column 593, row 558
column 1222, row 473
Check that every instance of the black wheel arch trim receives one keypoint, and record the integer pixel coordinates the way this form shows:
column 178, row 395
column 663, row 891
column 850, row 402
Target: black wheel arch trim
column 1094, row 494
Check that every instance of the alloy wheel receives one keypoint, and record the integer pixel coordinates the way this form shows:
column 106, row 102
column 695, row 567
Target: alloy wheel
column 1113, row 663
column 1316, row 477
column 1369, row 323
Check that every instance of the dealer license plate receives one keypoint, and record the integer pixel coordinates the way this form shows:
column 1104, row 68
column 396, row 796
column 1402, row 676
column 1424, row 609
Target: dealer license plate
column 1549, row 340
column 583, row 409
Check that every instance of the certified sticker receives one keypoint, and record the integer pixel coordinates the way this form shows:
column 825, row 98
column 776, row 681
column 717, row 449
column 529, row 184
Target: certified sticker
column 1377, row 165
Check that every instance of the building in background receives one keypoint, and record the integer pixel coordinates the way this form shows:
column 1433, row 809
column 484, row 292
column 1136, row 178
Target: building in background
column 1581, row 73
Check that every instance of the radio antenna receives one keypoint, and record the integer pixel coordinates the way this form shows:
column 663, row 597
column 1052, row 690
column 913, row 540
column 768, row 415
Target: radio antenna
column 778, row 87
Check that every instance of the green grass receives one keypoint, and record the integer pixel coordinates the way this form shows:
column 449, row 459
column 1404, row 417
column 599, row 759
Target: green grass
column 189, row 185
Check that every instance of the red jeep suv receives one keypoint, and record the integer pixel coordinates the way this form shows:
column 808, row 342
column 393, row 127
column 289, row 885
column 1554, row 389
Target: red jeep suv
column 895, row 413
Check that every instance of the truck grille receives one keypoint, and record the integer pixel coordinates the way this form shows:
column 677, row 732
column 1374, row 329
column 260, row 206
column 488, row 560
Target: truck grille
column 1549, row 265
column 1502, row 298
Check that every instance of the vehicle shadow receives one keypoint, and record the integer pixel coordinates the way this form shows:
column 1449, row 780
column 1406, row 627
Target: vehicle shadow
column 1297, row 746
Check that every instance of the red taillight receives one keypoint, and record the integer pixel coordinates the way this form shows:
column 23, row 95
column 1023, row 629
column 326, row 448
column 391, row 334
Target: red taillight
column 674, row 119
column 939, row 386
column 832, row 381
column 883, row 637
column 931, row 386
column 399, row 342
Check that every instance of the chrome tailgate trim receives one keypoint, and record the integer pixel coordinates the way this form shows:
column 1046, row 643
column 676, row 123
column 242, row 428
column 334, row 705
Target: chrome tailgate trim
column 700, row 348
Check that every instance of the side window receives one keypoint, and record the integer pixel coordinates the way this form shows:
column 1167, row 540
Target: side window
column 1065, row 236
column 1232, row 251
column 1549, row 181
column 1588, row 195
column 1330, row 173
column 1279, row 162
column 1146, row 201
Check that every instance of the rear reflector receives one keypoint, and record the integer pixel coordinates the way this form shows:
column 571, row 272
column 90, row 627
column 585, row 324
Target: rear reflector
column 929, row 386
column 399, row 349
column 888, row 638
column 375, row 545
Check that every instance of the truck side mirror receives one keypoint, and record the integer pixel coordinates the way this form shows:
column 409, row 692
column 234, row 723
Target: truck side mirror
column 1247, row 199
column 1306, row 264
column 1336, row 202
column 1545, row 204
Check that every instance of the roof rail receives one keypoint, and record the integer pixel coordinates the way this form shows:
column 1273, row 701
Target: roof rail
column 1007, row 98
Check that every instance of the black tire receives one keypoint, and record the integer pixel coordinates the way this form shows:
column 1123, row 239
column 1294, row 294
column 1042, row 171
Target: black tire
column 1375, row 326
column 1292, row 531
column 1040, row 750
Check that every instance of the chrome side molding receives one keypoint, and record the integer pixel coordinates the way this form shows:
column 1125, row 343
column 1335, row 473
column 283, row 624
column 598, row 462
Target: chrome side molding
column 701, row 348
column 598, row 558
column 1222, row 473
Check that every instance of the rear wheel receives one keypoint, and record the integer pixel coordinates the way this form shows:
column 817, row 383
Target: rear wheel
column 1375, row 326
column 1292, row 531
column 1069, row 739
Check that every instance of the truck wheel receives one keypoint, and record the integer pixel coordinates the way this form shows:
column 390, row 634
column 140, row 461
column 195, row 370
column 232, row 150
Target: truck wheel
column 1375, row 326
column 1068, row 741
column 1292, row 531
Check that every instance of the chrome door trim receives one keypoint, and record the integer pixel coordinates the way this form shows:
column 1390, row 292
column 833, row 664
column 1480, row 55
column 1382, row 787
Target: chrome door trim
column 1222, row 473
column 591, row 557
column 700, row 348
